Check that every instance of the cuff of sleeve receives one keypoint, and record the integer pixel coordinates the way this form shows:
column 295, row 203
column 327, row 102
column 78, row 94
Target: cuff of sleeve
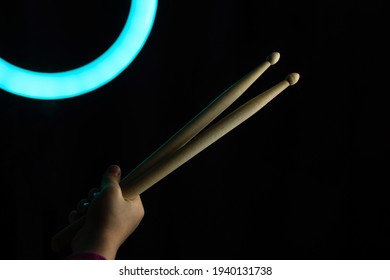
column 86, row 256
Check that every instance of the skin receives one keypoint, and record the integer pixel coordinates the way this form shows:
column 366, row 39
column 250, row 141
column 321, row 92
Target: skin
column 109, row 217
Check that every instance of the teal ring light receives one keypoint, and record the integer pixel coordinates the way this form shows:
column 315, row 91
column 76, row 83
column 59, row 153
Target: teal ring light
column 60, row 85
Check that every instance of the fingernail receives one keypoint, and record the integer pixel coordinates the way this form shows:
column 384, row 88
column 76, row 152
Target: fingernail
column 114, row 170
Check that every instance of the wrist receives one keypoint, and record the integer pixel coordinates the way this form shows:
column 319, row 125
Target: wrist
column 98, row 244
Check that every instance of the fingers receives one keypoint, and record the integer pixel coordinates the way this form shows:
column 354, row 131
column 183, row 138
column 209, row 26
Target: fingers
column 83, row 205
column 110, row 181
column 81, row 210
column 93, row 193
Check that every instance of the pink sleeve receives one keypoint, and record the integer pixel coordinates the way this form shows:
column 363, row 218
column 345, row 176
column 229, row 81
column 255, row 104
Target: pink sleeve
column 85, row 256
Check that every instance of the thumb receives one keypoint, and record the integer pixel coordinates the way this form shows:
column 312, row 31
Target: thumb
column 111, row 177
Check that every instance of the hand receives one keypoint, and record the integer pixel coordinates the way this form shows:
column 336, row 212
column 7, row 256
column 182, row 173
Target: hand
column 109, row 217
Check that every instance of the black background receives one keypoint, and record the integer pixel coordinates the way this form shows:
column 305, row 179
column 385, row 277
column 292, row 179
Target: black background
column 305, row 178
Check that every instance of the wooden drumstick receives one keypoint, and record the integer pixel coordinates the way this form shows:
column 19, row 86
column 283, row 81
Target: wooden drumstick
column 131, row 188
column 205, row 117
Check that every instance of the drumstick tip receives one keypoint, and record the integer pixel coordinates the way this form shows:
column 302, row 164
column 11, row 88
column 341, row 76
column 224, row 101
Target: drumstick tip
column 292, row 78
column 273, row 58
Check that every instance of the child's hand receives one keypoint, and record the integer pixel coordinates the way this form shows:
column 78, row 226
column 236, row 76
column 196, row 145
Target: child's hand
column 109, row 217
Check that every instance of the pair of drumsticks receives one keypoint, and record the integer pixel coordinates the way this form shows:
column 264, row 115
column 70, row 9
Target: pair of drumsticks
column 191, row 140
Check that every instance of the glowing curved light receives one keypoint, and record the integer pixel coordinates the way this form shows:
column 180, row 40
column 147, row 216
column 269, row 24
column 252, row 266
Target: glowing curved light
column 59, row 85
